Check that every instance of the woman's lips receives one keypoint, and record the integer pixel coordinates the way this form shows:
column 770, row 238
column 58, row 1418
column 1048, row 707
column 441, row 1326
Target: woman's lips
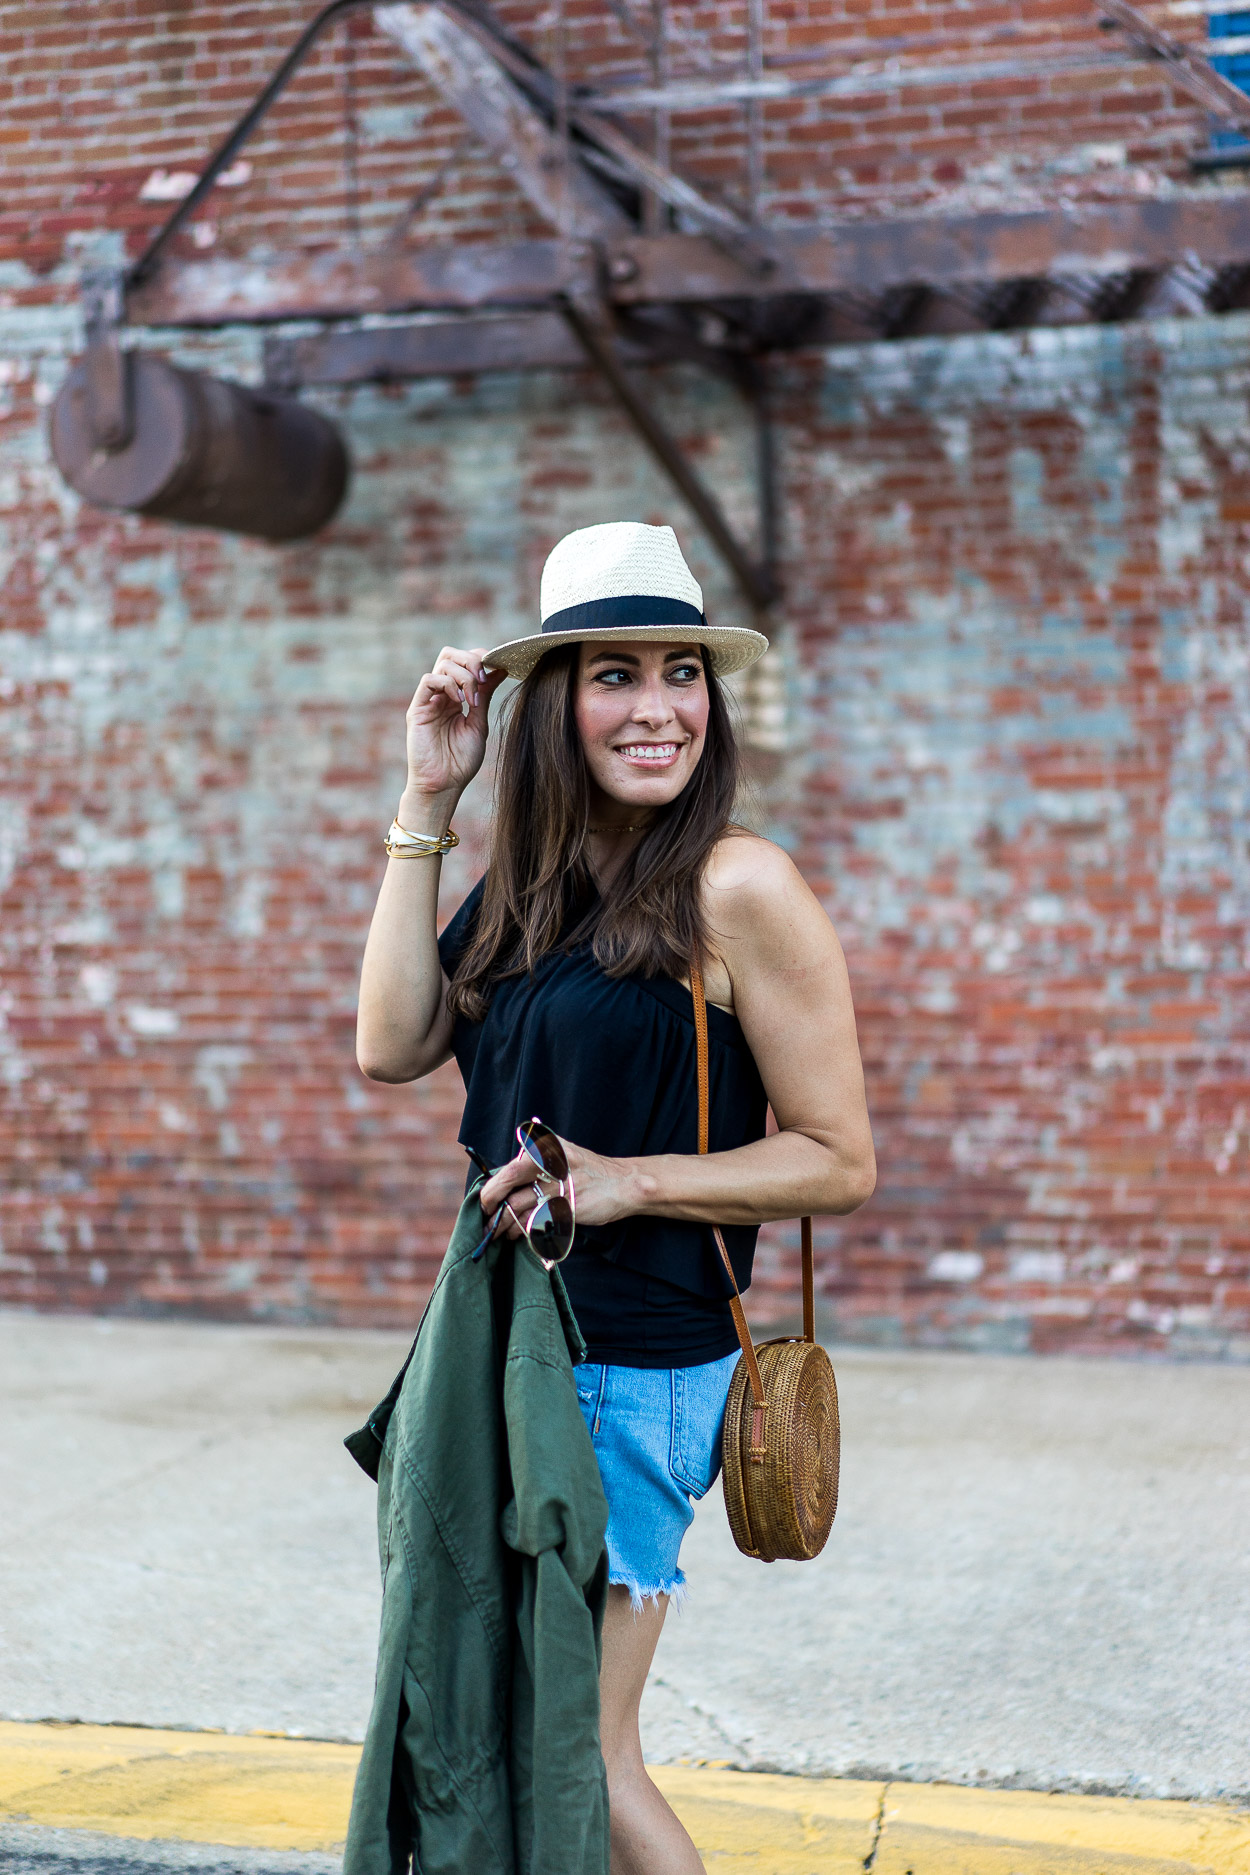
column 649, row 754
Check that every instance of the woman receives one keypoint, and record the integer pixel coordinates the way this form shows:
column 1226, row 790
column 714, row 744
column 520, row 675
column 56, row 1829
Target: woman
column 562, row 988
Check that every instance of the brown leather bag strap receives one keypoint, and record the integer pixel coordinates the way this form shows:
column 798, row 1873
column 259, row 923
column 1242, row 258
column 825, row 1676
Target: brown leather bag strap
column 735, row 1301
column 809, row 1281
column 699, row 998
column 700, row 1046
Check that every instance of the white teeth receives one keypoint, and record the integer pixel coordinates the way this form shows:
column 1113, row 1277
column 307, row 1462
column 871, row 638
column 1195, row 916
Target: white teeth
column 650, row 751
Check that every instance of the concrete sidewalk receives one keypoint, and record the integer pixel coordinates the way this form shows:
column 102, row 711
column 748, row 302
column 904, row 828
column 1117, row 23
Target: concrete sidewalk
column 1040, row 1573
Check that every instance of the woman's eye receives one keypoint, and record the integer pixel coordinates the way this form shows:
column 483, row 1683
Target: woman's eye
column 613, row 678
column 685, row 673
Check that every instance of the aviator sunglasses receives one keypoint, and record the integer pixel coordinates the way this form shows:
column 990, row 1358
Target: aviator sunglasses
column 550, row 1225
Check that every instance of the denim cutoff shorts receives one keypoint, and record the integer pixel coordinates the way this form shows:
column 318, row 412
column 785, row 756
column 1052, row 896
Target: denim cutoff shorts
column 656, row 1433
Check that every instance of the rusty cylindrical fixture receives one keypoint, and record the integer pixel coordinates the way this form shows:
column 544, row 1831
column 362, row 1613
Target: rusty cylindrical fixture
column 132, row 431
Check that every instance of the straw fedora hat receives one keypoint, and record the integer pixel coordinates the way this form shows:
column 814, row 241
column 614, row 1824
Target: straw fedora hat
column 623, row 580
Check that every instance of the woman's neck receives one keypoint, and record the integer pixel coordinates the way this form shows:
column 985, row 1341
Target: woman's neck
column 610, row 848
column 606, row 816
column 615, row 828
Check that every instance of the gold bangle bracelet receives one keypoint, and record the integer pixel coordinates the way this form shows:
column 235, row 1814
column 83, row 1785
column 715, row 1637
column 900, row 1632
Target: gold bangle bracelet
column 400, row 844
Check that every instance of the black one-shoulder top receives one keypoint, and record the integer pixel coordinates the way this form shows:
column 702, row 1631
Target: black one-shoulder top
column 609, row 1063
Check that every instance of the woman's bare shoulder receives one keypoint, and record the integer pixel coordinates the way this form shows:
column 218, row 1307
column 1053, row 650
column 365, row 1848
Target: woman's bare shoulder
column 747, row 873
column 766, row 925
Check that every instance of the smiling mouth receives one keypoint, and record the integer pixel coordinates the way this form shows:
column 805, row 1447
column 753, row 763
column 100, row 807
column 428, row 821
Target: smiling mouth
column 654, row 752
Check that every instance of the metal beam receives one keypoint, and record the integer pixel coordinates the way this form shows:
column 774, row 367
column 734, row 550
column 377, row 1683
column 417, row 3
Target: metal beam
column 594, row 333
column 348, row 283
column 939, row 251
column 701, row 94
column 1185, row 65
column 502, row 119
column 859, row 258
column 603, row 139
column 536, row 341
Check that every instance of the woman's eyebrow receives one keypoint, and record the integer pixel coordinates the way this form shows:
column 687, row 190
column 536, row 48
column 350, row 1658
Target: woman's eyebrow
column 628, row 657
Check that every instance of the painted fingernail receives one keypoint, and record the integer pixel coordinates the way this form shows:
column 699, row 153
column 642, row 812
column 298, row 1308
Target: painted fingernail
column 481, row 671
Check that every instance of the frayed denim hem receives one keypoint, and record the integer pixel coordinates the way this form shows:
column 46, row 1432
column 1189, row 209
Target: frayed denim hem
column 676, row 1591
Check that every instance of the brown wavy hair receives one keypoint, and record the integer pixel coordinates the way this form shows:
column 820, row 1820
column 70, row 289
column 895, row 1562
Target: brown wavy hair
column 539, row 889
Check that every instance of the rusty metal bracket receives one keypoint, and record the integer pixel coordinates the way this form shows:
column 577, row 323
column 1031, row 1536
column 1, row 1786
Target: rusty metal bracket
column 591, row 322
column 109, row 373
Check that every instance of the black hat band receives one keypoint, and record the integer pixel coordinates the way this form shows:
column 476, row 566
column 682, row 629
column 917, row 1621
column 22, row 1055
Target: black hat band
column 632, row 609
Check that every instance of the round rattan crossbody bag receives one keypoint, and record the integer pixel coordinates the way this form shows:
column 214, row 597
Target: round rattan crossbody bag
column 782, row 1439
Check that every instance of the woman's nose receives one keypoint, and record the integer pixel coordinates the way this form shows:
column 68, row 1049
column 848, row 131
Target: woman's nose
column 652, row 706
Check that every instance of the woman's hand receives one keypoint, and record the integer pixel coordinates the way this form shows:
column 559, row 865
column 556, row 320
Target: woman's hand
column 447, row 724
column 606, row 1189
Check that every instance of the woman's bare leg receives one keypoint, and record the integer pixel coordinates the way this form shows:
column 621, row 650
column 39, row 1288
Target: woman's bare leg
column 647, row 1838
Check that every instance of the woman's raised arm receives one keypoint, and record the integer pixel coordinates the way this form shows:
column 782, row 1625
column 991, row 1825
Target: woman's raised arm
column 403, row 1029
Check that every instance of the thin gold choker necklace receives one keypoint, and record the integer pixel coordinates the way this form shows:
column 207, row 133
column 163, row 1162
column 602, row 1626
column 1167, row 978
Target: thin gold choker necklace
column 618, row 829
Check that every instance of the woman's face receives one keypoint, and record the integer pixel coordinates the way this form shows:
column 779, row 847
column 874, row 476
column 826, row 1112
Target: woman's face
column 641, row 711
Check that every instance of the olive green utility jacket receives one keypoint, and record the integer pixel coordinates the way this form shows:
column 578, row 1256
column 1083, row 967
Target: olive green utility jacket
column 482, row 1751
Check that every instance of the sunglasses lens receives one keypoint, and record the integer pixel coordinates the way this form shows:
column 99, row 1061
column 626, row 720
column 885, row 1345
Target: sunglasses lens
column 550, row 1229
column 543, row 1148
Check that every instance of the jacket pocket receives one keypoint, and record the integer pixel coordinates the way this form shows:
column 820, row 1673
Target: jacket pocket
column 699, row 1395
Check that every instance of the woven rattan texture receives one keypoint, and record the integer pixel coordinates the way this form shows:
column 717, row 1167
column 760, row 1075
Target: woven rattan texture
column 783, row 1505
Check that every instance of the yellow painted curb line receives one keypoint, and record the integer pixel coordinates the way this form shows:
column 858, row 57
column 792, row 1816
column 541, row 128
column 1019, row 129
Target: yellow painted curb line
column 744, row 1821
column 286, row 1793
column 258, row 1793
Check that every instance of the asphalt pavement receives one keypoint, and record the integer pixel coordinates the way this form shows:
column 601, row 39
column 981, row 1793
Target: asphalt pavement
column 29, row 1851
column 1039, row 1577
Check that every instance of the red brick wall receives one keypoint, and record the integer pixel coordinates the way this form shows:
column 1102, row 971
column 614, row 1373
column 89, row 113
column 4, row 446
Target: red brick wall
column 1013, row 654
column 1024, row 796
